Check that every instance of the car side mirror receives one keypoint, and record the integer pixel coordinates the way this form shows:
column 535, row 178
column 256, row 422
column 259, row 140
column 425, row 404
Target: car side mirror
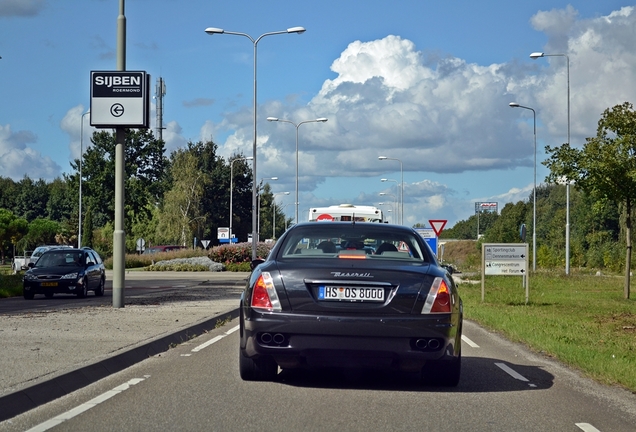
column 449, row 268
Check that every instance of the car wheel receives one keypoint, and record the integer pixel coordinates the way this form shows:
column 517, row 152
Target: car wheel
column 48, row 295
column 82, row 293
column 28, row 295
column 261, row 369
column 100, row 289
column 444, row 374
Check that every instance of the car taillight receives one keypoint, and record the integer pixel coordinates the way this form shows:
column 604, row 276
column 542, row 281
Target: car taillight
column 438, row 299
column 264, row 296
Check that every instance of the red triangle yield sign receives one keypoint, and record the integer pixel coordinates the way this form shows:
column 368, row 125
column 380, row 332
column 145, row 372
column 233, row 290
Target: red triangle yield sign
column 438, row 225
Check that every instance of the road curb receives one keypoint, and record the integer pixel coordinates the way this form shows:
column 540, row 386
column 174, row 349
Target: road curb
column 26, row 399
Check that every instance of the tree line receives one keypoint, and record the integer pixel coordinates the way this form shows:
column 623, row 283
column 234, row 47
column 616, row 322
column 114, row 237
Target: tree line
column 603, row 193
column 168, row 199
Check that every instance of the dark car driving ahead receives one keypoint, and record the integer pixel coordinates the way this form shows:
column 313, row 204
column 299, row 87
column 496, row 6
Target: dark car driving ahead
column 66, row 271
column 311, row 304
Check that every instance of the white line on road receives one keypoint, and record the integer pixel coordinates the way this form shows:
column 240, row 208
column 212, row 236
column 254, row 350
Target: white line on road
column 214, row 339
column 232, row 330
column 208, row 343
column 85, row 406
column 587, row 427
column 511, row 372
column 469, row 342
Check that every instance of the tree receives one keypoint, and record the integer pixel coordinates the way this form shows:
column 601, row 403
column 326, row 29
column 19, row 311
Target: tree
column 31, row 199
column 505, row 229
column 41, row 232
column 605, row 167
column 146, row 178
column 12, row 229
column 182, row 204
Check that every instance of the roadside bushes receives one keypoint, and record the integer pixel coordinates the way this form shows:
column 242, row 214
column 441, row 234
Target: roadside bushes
column 236, row 257
column 238, row 253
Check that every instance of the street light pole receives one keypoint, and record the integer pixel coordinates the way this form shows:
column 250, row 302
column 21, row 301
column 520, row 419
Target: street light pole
column 535, row 56
column 258, row 231
column 212, row 31
column 232, row 189
column 274, row 212
column 318, row 120
column 534, row 189
column 389, row 210
column 402, row 193
column 396, row 187
column 79, row 230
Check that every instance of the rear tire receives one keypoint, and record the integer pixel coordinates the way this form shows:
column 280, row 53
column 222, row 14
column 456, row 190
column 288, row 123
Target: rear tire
column 261, row 369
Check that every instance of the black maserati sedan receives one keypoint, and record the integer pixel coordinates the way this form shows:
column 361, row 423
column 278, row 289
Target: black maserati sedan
column 320, row 299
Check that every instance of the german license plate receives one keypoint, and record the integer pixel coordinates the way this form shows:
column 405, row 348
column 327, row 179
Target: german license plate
column 345, row 293
column 46, row 284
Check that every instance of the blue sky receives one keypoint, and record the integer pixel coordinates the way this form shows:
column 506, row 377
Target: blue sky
column 424, row 82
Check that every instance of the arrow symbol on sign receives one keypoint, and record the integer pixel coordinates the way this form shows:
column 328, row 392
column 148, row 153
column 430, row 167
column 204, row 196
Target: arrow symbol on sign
column 117, row 110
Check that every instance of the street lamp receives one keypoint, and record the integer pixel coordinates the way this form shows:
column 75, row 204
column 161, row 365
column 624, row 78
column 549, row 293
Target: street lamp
column 396, row 187
column 534, row 189
column 258, row 221
column 232, row 189
column 401, row 213
column 535, row 56
column 79, row 231
column 274, row 212
column 213, row 31
column 318, row 120
column 389, row 210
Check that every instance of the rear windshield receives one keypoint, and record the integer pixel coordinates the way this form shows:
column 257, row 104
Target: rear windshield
column 375, row 242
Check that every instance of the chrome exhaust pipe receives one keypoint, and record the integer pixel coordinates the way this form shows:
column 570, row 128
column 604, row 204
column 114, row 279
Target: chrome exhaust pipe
column 279, row 338
column 266, row 338
column 433, row 344
column 421, row 343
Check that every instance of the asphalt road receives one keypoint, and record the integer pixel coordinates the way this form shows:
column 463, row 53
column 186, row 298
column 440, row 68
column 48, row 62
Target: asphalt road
column 196, row 387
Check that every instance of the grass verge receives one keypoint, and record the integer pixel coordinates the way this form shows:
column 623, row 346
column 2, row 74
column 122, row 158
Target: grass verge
column 581, row 320
column 10, row 285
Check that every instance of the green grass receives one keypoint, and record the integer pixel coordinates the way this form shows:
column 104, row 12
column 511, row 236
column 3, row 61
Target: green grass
column 10, row 284
column 581, row 320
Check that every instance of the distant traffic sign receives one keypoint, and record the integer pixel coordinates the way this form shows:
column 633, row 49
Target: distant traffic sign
column 437, row 225
column 506, row 259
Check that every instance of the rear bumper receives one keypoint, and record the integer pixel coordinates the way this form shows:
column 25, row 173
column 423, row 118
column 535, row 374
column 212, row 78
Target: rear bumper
column 404, row 343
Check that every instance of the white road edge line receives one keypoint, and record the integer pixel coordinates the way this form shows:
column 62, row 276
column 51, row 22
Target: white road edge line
column 586, row 427
column 85, row 406
column 214, row 339
column 208, row 343
column 512, row 373
column 469, row 342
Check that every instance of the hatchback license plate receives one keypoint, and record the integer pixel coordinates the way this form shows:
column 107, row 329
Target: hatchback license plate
column 46, row 284
column 326, row 292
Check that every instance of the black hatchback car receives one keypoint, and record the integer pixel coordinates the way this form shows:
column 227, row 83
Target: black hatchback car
column 65, row 271
column 320, row 299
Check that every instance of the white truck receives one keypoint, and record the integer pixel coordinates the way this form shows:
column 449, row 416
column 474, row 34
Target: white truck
column 21, row 262
column 346, row 212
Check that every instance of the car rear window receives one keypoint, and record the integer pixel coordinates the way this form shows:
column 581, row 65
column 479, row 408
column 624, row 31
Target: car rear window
column 378, row 242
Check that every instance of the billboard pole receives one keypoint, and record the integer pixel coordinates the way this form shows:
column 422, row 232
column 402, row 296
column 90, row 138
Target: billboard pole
column 119, row 236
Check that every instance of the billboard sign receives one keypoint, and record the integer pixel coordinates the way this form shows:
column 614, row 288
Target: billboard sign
column 120, row 99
